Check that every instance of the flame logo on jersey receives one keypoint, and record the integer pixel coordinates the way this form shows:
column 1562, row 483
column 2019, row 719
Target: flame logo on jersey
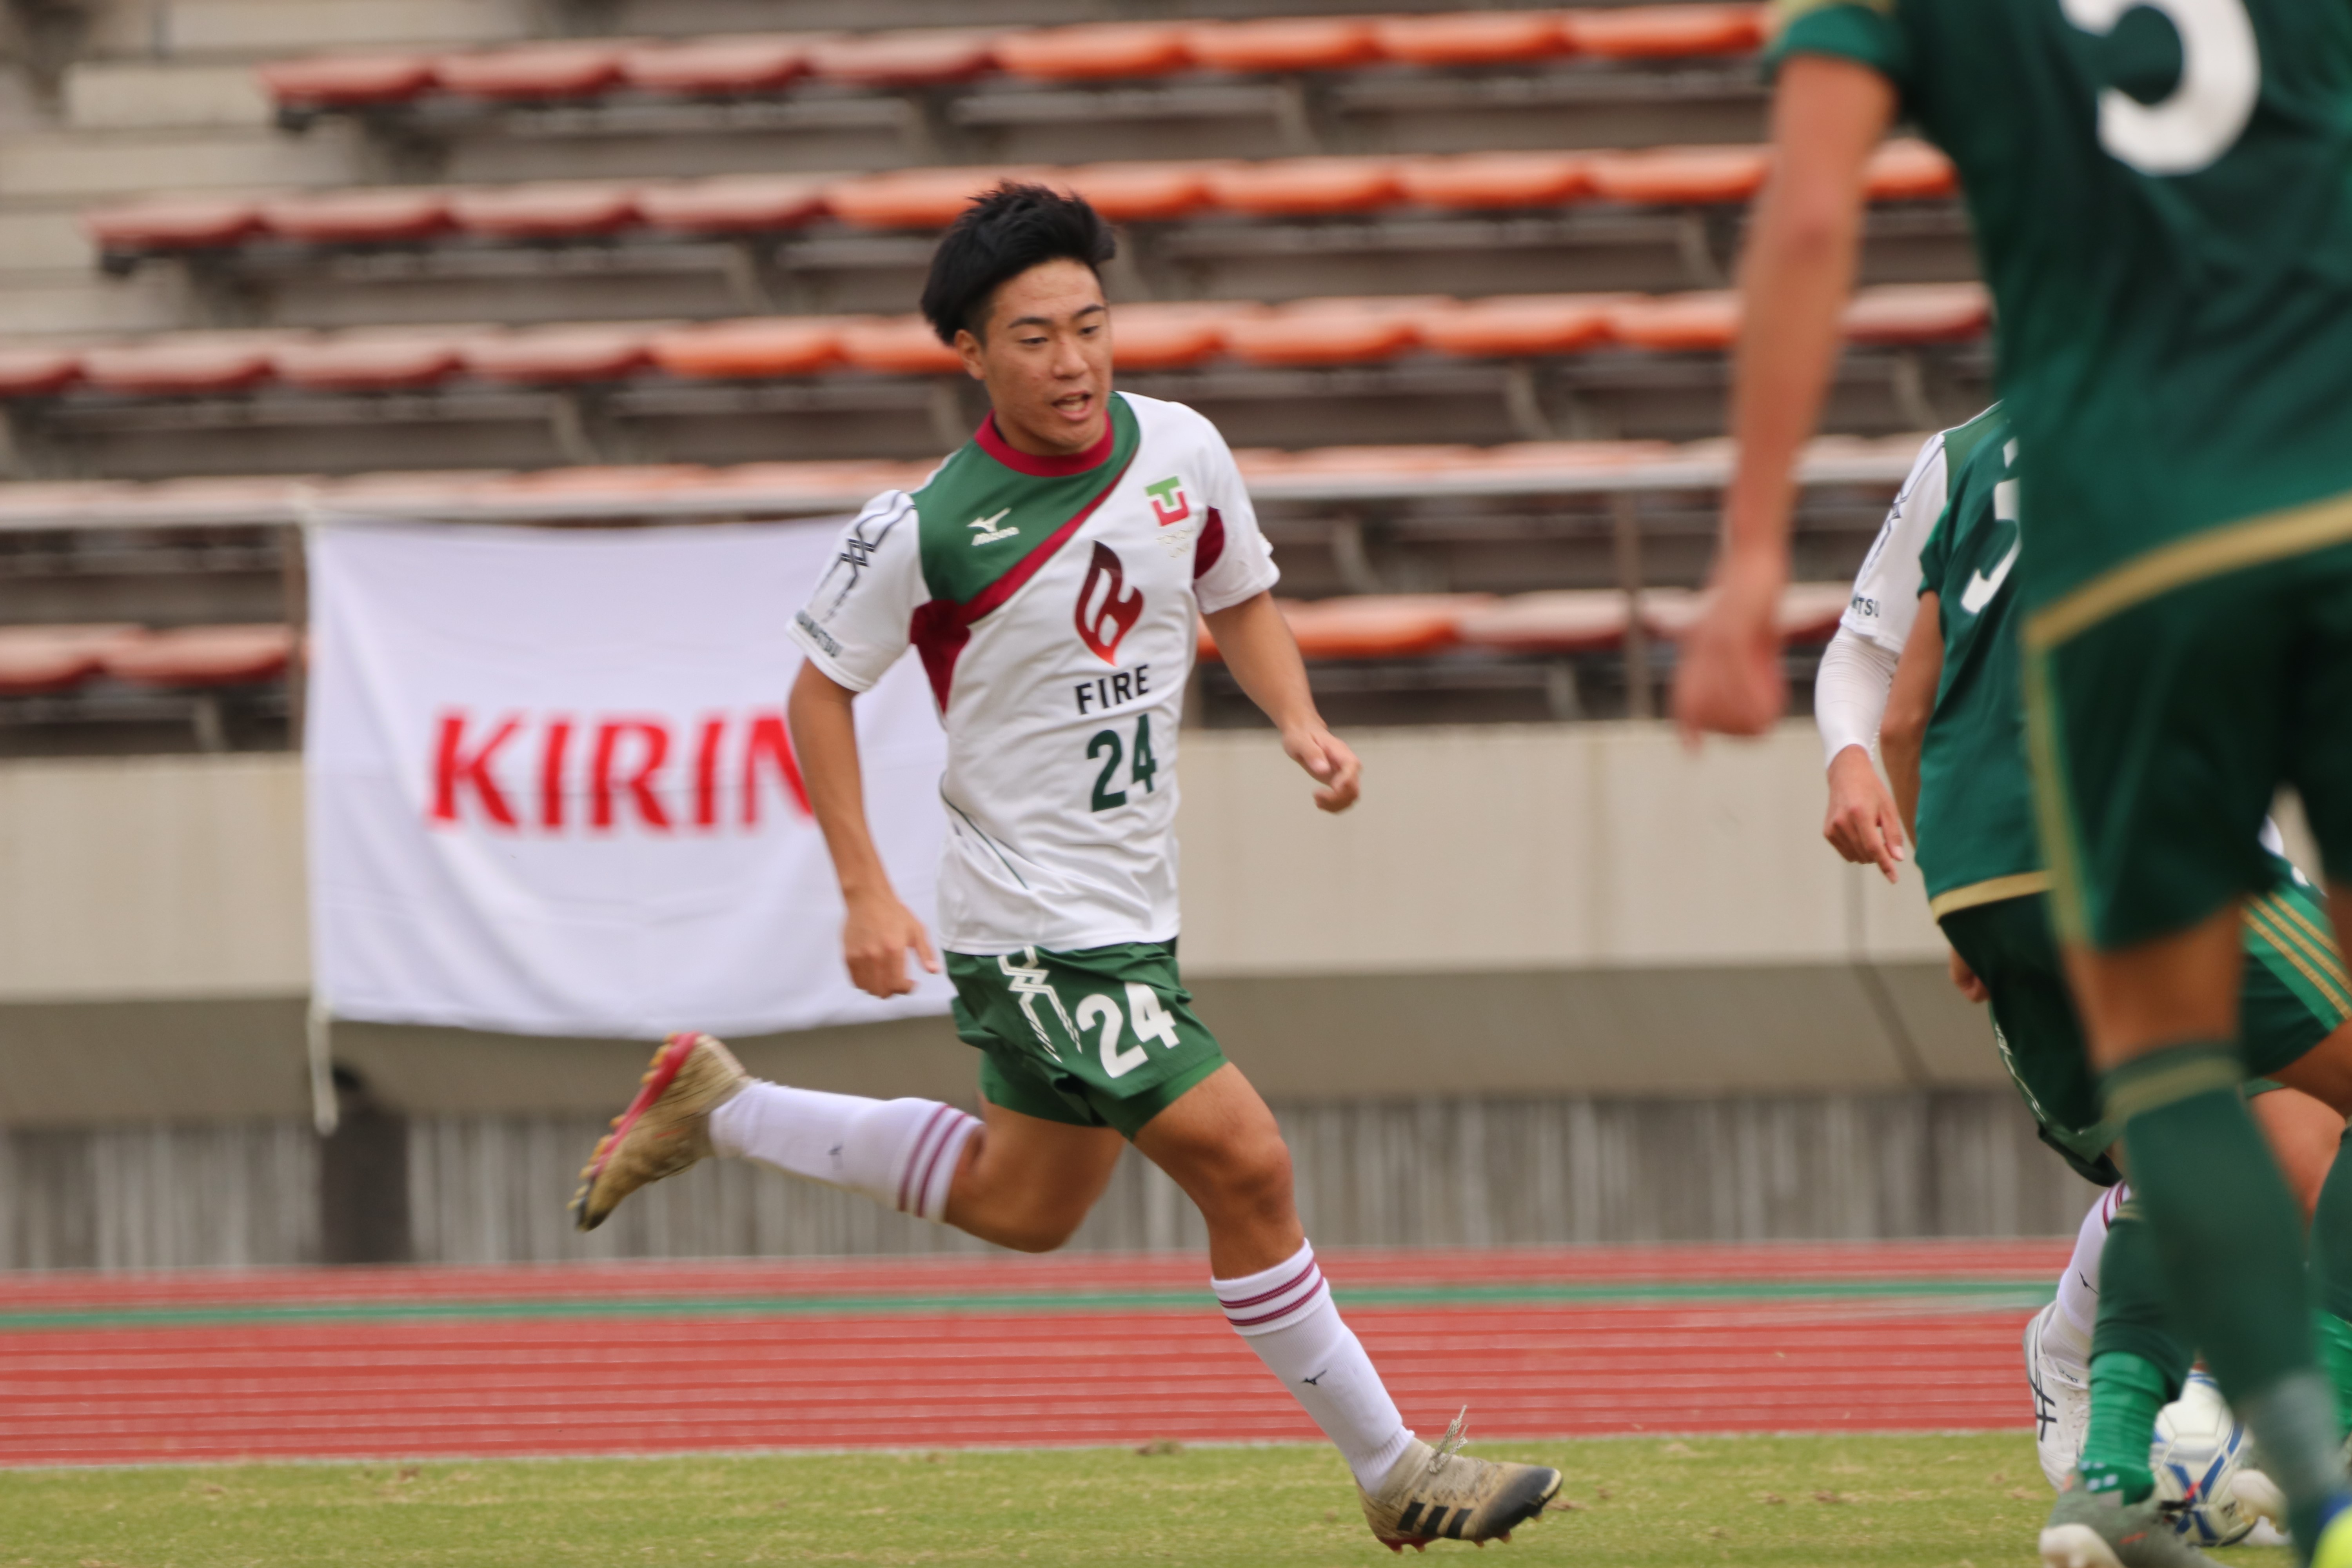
column 1106, row 606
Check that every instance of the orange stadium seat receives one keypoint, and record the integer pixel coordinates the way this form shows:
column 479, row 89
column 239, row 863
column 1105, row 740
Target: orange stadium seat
column 38, row 659
column 1139, row 193
column 359, row 217
column 1471, row 37
column 416, row 492
column 1674, row 322
column 554, row 210
column 898, row 345
column 1677, row 175
column 1810, row 612
column 1095, row 51
column 187, row 366
column 1380, row 625
column 368, row 361
column 1665, row 32
column 555, row 355
column 345, row 81
column 917, row 198
column 718, row 67
column 1907, row 170
column 1918, row 313
column 1474, row 180
column 202, row 655
column 1306, row 186
column 602, row 481
column 1569, row 457
column 174, row 223
column 1330, row 331
column 1282, row 43
column 31, row 371
column 1159, row 337
column 769, row 346
column 1400, row 460
column 924, row 57
column 733, row 203
column 861, row 477
column 528, row 72
column 1513, row 324
column 1563, row 621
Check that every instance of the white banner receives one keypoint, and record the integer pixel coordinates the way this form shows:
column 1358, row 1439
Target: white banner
column 551, row 790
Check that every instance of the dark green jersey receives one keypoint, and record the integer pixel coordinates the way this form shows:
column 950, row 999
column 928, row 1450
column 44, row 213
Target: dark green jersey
column 2161, row 192
column 1976, row 839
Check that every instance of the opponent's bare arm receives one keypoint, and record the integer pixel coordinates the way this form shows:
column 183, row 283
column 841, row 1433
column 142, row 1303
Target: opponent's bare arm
column 877, row 929
column 1257, row 646
column 1827, row 117
column 1910, row 704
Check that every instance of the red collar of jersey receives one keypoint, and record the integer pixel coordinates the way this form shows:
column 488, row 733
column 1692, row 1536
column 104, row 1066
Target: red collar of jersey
column 992, row 442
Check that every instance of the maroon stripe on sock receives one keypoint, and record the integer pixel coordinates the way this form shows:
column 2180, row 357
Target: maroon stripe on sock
column 948, row 1139
column 1288, row 1284
column 915, row 1159
column 1279, row 1312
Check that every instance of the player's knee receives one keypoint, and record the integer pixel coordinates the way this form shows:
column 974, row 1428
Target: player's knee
column 1255, row 1178
column 1041, row 1230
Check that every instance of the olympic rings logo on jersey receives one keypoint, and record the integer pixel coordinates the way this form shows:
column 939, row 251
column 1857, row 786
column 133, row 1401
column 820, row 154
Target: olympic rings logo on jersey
column 1105, row 620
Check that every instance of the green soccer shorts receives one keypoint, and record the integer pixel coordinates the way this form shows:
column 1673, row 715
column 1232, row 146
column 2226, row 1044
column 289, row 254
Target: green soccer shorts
column 2164, row 703
column 2294, row 995
column 1102, row 1037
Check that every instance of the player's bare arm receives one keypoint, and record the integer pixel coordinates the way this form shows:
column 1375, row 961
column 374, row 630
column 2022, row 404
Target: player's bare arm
column 877, row 929
column 1257, row 646
column 1827, row 116
column 1910, row 704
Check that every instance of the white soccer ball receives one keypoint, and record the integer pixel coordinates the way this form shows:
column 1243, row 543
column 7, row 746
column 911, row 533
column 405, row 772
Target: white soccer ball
column 2199, row 1450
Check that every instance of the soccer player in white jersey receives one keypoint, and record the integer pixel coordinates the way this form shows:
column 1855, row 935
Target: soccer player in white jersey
column 1048, row 575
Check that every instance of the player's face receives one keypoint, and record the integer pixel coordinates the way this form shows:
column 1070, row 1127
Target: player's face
column 1046, row 358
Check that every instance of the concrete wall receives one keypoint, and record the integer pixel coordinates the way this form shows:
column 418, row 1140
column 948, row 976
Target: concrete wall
column 1563, row 910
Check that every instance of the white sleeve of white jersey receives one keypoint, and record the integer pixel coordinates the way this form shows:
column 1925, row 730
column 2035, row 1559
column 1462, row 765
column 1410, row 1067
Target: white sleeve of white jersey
column 1887, row 590
column 1244, row 564
column 860, row 618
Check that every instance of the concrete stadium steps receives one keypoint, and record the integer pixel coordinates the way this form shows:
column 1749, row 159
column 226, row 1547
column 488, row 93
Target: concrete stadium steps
column 922, row 1354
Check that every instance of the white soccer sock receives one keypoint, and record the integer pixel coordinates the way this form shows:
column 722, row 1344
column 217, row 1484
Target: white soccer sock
column 899, row 1152
column 1286, row 1315
column 2068, row 1333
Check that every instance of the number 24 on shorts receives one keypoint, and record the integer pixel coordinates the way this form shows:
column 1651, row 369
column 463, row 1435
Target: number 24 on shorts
column 1144, row 768
column 1152, row 1022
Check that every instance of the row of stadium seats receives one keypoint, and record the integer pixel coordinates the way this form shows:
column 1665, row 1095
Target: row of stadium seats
column 754, row 65
column 555, row 213
column 752, row 489
column 37, row 660
column 1568, row 621
column 1146, row 337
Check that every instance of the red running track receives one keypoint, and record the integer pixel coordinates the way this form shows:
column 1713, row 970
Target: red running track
column 579, row 1361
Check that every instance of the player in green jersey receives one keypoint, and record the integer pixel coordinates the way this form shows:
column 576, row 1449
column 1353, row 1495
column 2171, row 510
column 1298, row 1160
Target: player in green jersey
column 2162, row 200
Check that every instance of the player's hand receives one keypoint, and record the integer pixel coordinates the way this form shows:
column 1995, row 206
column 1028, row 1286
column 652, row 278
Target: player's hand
column 1966, row 978
column 1329, row 762
column 1729, row 680
column 1863, row 824
column 875, row 933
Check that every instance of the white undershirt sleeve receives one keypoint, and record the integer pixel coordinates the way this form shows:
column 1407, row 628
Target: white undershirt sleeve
column 1850, row 692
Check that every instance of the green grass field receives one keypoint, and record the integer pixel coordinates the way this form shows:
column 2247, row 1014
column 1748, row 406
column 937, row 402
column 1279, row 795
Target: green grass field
column 1888, row 1502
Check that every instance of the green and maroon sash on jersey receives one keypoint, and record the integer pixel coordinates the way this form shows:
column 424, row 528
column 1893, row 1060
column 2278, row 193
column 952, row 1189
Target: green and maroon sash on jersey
column 990, row 516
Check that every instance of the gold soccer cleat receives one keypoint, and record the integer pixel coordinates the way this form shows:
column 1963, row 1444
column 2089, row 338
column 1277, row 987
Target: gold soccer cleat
column 665, row 1129
column 1437, row 1494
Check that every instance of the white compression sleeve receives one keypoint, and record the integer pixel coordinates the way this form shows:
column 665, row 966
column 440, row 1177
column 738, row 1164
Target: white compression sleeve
column 1286, row 1315
column 1850, row 692
column 902, row 1153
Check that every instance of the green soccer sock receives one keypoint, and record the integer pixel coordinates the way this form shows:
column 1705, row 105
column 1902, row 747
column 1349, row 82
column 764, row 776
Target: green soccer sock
column 2126, row 1392
column 2335, row 1337
column 2213, row 1193
column 2331, row 1273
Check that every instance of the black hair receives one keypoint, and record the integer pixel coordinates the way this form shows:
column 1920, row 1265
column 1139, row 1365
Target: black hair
column 999, row 236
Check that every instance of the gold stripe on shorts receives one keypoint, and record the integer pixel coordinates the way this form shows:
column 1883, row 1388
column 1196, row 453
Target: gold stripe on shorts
column 2201, row 1074
column 2320, row 942
column 2052, row 806
column 2262, row 917
column 2024, row 884
column 2271, row 536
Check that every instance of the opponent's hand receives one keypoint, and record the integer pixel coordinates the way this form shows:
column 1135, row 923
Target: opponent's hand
column 1729, row 680
column 1863, row 824
column 1966, row 978
column 876, row 932
column 1329, row 762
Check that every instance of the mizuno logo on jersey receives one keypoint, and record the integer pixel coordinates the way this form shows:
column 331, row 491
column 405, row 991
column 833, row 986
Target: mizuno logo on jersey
column 985, row 531
column 1106, row 606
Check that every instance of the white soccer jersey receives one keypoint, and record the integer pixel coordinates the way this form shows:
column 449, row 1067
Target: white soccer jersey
column 1052, row 602
column 1886, row 590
